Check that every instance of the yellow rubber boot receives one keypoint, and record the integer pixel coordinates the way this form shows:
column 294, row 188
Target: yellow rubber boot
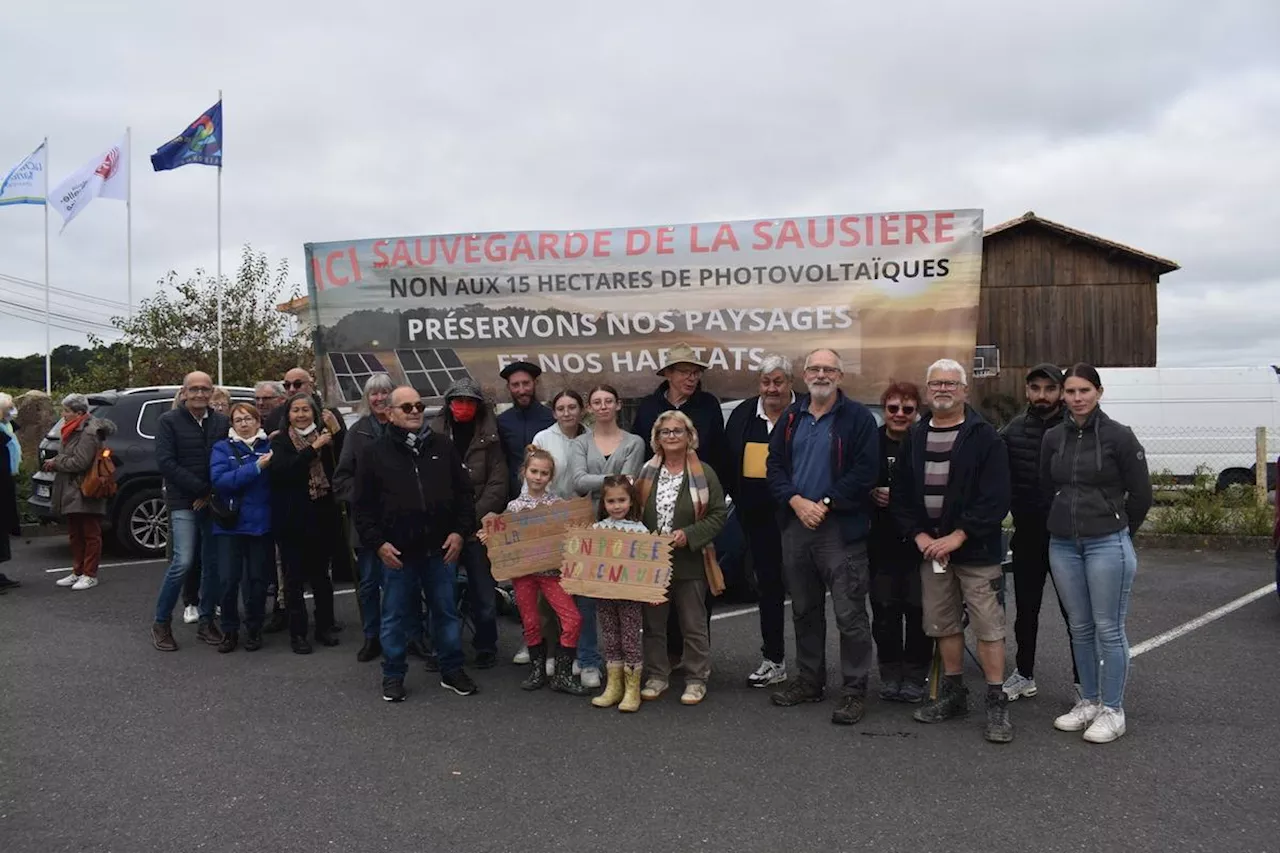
column 612, row 694
column 631, row 689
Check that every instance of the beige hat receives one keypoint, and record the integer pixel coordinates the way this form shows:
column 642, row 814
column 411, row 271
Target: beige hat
column 681, row 353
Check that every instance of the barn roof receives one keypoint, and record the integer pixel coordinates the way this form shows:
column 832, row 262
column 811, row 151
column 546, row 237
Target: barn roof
column 1162, row 265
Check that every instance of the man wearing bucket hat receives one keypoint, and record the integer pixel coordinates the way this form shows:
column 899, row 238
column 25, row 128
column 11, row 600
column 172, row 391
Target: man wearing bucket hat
column 682, row 391
column 526, row 418
column 469, row 422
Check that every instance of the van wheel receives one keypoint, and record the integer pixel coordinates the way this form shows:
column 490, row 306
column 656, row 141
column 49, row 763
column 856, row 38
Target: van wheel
column 143, row 523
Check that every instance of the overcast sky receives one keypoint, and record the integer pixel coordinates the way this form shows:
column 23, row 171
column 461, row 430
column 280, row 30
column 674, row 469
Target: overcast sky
column 1155, row 124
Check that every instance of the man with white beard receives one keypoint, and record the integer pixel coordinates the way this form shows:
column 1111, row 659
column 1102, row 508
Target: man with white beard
column 823, row 461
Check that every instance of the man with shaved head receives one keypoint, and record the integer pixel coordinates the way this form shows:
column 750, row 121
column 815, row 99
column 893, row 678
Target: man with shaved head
column 415, row 507
column 184, row 437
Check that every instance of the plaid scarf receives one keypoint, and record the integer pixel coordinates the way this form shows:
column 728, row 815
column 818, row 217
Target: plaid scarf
column 700, row 494
column 317, row 482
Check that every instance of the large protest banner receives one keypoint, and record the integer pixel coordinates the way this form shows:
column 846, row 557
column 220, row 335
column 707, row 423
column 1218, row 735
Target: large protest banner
column 616, row 564
column 890, row 291
column 522, row 543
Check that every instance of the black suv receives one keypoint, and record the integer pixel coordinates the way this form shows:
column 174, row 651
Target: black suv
column 137, row 513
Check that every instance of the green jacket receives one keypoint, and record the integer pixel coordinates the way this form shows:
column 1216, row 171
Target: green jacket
column 687, row 563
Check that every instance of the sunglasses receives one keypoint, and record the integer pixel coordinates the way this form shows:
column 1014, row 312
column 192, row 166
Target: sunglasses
column 409, row 408
column 894, row 409
column 295, row 385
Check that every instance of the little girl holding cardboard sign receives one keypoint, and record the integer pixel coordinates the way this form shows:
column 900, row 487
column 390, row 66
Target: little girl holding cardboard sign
column 620, row 621
column 538, row 470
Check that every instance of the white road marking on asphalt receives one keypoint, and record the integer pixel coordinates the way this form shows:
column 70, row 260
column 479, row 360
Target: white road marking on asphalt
column 106, row 566
column 1200, row 621
column 732, row 613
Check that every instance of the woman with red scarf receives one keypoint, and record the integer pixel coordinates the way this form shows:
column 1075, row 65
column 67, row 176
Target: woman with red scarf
column 82, row 439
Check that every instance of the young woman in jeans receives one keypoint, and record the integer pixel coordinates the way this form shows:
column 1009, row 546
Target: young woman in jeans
column 1095, row 473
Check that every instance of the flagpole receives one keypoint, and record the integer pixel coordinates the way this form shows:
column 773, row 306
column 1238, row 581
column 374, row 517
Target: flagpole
column 219, row 255
column 128, row 238
column 48, row 350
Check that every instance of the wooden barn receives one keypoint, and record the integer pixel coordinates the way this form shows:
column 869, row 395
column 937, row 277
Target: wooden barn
column 1053, row 293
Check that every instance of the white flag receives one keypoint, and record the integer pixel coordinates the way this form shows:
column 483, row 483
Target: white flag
column 25, row 182
column 106, row 175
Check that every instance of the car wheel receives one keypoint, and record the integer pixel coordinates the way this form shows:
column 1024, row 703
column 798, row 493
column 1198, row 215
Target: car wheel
column 143, row 523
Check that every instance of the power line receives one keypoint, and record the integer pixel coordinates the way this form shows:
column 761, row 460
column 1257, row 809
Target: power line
column 51, row 322
column 35, row 285
column 39, row 314
column 64, row 303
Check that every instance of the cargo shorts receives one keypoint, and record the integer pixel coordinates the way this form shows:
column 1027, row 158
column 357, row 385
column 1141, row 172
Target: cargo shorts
column 945, row 597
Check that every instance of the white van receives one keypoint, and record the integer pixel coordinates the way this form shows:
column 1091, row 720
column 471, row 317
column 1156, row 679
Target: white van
column 1193, row 417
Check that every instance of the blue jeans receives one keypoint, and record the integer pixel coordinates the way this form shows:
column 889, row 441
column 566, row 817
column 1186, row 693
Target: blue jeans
column 588, row 642
column 246, row 563
column 191, row 532
column 369, row 591
column 401, row 606
column 1094, row 577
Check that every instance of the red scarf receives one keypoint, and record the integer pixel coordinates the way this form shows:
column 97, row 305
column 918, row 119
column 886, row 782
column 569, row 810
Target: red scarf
column 68, row 427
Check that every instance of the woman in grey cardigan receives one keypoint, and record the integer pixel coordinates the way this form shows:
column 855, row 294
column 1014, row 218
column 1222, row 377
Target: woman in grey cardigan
column 607, row 449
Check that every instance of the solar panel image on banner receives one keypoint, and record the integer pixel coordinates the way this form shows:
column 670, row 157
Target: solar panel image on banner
column 352, row 369
column 431, row 371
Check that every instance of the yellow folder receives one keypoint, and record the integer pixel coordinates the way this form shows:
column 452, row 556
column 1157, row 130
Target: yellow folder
column 754, row 457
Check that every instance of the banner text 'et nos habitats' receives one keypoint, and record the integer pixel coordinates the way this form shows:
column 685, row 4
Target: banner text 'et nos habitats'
column 890, row 291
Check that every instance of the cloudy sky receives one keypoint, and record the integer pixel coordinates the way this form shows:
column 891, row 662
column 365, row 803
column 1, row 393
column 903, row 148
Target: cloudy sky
column 1155, row 124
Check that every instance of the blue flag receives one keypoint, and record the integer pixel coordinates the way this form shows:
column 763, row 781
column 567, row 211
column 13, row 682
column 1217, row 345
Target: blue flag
column 200, row 143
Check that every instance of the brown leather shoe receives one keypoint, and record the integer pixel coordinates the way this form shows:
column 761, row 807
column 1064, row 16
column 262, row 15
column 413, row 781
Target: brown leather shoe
column 209, row 633
column 162, row 637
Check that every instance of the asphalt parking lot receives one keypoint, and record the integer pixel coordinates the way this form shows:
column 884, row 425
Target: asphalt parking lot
column 109, row 745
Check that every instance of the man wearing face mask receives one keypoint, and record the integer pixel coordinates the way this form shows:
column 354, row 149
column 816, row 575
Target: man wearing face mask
column 469, row 422
column 1023, row 436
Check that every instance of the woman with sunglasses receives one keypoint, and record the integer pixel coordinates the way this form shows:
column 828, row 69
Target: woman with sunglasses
column 903, row 648
column 305, row 517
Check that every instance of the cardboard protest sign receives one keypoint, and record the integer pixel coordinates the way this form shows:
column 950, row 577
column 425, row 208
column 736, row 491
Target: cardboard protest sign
column 522, row 543
column 616, row 564
column 890, row 291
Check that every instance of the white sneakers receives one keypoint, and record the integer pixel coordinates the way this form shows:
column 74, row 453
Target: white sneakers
column 522, row 657
column 1018, row 685
column 191, row 614
column 1107, row 727
column 590, row 677
column 68, row 580
column 768, row 673
column 85, row 582
column 1099, row 723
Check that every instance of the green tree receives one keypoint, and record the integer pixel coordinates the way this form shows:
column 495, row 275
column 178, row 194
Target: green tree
column 176, row 331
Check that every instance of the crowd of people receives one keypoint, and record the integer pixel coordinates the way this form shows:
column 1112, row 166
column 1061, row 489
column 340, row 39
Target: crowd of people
column 267, row 499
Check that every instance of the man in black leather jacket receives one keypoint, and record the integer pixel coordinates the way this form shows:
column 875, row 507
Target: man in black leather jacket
column 1024, row 436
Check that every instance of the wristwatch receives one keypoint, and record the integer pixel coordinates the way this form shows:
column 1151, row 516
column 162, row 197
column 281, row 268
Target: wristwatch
column 826, row 502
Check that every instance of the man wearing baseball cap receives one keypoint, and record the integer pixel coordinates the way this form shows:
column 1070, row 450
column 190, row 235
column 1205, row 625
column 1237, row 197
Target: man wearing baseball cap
column 526, row 418
column 1023, row 436
column 682, row 391
column 469, row 422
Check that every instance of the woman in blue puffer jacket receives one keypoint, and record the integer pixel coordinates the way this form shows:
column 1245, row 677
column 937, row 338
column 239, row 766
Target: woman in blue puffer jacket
column 238, row 466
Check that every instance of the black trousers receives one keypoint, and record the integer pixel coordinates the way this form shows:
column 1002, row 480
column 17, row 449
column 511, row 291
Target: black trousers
column 306, row 555
column 903, row 650
column 764, row 543
column 1030, row 570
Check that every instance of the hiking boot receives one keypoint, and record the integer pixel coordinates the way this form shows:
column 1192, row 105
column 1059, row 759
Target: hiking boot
column 371, row 650
column 229, row 643
column 276, row 622
column 796, row 692
column 459, row 682
column 849, row 711
column 564, row 680
column 486, row 659
column 1018, row 685
column 326, row 638
column 952, row 702
column 911, row 692
column 767, row 674
column 252, row 640
column 393, row 689
column 162, row 637
column 300, row 645
column 537, row 668
column 1080, row 717
column 999, row 728
column 1107, row 726
column 209, row 633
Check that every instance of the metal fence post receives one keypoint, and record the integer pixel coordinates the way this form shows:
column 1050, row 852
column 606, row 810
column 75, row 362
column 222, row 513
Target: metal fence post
column 1260, row 471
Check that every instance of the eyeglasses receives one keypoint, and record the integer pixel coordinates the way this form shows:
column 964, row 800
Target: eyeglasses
column 265, row 399
column 199, row 389
column 691, row 372
column 943, row 384
column 893, row 409
column 671, row 432
column 409, row 408
column 295, row 385
column 822, row 370
column 244, row 420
